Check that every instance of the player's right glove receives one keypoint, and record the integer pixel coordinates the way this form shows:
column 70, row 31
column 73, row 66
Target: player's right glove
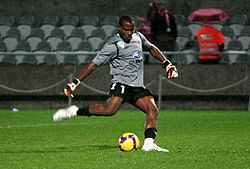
column 71, row 87
column 171, row 70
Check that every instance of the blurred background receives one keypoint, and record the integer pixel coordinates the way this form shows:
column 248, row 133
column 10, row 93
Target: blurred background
column 112, row 7
column 45, row 43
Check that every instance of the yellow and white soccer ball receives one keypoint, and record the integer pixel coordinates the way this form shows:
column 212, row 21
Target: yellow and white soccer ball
column 128, row 142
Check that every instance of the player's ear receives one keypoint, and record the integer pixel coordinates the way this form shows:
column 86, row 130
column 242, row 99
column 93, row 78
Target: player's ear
column 119, row 27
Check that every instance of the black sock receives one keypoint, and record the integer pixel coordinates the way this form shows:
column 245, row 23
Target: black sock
column 83, row 111
column 150, row 133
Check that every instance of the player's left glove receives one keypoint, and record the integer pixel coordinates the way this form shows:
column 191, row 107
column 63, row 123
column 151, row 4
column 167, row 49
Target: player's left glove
column 71, row 87
column 171, row 70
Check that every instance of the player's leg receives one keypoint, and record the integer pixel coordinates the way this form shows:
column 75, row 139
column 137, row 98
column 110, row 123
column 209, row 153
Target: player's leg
column 147, row 105
column 110, row 108
column 117, row 96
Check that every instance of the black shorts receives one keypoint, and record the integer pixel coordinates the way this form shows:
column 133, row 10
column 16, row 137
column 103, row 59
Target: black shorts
column 129, row 93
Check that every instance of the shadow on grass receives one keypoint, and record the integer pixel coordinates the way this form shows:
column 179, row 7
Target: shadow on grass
column 63, row 149
column 103, row 147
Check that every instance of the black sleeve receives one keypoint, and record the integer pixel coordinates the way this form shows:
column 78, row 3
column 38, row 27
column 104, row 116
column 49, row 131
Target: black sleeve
column 173, row 26
column 221, row 47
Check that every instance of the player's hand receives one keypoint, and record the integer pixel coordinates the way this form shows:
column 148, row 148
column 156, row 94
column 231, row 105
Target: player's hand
column 71, row 87
column 171, row 71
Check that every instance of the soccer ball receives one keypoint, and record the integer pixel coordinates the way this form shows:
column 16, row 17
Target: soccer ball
column 128, row 142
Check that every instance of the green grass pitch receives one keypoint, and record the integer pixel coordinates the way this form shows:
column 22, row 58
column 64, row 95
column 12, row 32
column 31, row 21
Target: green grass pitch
column 196, row 139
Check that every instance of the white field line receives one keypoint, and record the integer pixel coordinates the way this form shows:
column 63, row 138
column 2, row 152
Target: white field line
column 84, row 123
column 41, row 125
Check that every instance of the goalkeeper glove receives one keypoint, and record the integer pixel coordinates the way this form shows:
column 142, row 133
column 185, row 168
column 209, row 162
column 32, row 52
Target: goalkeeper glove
column 71, row 87
column 171, row 70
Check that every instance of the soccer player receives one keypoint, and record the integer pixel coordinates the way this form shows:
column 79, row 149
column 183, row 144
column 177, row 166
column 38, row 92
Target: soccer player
column 124, row 54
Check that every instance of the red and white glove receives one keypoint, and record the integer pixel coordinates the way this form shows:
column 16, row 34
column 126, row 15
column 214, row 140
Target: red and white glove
column 171, row 70
column 71, row 87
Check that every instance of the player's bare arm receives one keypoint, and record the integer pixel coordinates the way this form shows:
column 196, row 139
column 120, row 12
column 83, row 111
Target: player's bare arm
column 156, row 53
column 76, row 81
column 171, row 70
column 87, row 71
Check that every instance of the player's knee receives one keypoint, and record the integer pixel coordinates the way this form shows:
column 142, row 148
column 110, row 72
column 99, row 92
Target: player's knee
column 110, row 111
column 153, row 109
column 153, row 112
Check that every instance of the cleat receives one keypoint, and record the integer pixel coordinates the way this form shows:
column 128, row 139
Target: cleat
column 66, row 113
column 153, row 147
column 149, row 145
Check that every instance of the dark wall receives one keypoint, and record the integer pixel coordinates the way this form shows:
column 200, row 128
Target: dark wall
column 198, row 86
column 231, row 80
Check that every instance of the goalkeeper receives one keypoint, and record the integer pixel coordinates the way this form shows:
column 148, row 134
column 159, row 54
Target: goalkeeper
column 124, row 54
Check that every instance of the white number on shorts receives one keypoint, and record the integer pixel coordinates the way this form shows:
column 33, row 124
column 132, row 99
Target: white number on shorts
column 123, row 89
column 113, row 86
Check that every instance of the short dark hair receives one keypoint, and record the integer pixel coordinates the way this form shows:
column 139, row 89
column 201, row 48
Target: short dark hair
column 125, row 18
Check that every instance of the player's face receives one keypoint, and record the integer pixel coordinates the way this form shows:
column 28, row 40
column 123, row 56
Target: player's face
column 126, row 30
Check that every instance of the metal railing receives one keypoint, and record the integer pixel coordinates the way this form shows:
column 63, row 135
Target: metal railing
column 159, row 80
column 162, row 78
